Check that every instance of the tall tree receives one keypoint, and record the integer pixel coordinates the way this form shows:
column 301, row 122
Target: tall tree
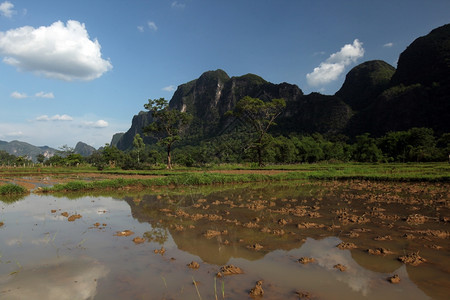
column 138, row 144
column 167, row 125
column 260, row 116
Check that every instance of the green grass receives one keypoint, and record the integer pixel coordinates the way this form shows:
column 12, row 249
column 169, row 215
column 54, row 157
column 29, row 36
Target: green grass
column 373, row 172
column 12, row 189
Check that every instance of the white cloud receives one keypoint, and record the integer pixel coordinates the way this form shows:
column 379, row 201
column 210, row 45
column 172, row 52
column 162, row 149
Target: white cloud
column 61, row 118
column 14, row 134
column 58, row 51
column 6, row 9
column 334, row 66
column 54, row 118
column 177, row 5
column 169, row 88
column 45, row 95
column 47, row 133
column 152, row 25
column 140, row 28
column 17, row 95
column 96, row 124
column 388, row 45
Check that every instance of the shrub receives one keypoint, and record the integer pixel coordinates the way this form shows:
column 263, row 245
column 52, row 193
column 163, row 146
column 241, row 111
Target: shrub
column 12, row 189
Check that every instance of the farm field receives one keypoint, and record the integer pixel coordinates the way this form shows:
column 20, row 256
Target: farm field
column 288, row 238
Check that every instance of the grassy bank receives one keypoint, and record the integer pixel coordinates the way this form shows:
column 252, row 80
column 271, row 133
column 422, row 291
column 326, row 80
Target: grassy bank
column 12, row 189
column 186, row 177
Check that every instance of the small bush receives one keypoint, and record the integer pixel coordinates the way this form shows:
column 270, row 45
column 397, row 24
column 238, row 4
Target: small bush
column 12, row 189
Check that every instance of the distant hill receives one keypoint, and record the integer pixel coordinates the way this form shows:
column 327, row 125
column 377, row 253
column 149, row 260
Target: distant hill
column 365, row 82
column 29, row 151
column 418, row 94
column 375, row 98
column 115, row 139
column 209, row 97
column 84, row 149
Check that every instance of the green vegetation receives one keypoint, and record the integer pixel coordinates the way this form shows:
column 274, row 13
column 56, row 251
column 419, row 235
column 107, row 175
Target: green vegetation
column 414, row 145
column 260, row 116
column 12, row 189
column 167, row 125
column 431, row 172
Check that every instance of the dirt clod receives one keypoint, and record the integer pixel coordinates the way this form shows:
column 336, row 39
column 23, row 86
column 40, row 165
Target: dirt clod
column 193, row 265
column 138, row 240
column 346, row 245
column 124, row 233
column 230, row 270
column 213, row 233
column 394, row 279
column 340, row 267
column 257, row 290
column 255, row 247
column 413, row 259
column 379, row 251
column 416, row 219
column 306, row 260
column 160, row 251
column 74, row 217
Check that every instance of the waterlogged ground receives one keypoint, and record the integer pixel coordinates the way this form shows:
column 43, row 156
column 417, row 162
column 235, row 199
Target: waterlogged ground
column 320, row 240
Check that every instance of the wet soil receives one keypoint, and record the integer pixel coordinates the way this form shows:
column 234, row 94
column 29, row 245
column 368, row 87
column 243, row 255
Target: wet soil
column 388, row 221
column 34, row 181
column 378, row 227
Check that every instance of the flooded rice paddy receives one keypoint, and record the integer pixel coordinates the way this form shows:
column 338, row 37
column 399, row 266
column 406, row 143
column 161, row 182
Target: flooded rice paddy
column 307, row 240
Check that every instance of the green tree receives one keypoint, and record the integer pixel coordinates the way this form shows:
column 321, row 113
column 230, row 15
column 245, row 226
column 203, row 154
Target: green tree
column 6, row 158
column 65, row 151
column 138, row 144
column 112, row 155
column 73, row 159
column 260, row 116
column 40, row 158
column 308, row 149
column 167, row 126
column 285, row 150
column 55, row 160
column 365, row 149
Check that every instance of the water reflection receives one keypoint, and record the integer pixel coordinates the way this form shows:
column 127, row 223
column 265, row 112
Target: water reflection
column 360, row 280
column 222, row 225
column 60, row 278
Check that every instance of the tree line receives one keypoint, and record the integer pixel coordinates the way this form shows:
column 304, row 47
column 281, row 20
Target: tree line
column 251, row 143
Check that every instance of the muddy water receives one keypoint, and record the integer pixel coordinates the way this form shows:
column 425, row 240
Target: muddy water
column 138, row 245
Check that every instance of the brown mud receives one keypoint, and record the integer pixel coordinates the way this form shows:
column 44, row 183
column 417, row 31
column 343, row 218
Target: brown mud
column 375, row 221
column 382, row 226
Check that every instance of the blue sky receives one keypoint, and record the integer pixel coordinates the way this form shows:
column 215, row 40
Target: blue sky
column 79, row 70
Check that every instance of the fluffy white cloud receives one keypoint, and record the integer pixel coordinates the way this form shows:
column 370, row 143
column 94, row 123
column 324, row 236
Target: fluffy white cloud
column 60, row 51
column 96, row 124
column 388, row 45
column 334, row 66
column 152, row 25
column 45, row 95
column 169, row 88
column 54, row 118
column 17, row 95
column 177, row 5
column 140, row 28
column 6, row 9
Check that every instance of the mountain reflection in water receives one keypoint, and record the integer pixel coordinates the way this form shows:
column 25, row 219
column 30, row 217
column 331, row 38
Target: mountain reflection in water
column 46, row 256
